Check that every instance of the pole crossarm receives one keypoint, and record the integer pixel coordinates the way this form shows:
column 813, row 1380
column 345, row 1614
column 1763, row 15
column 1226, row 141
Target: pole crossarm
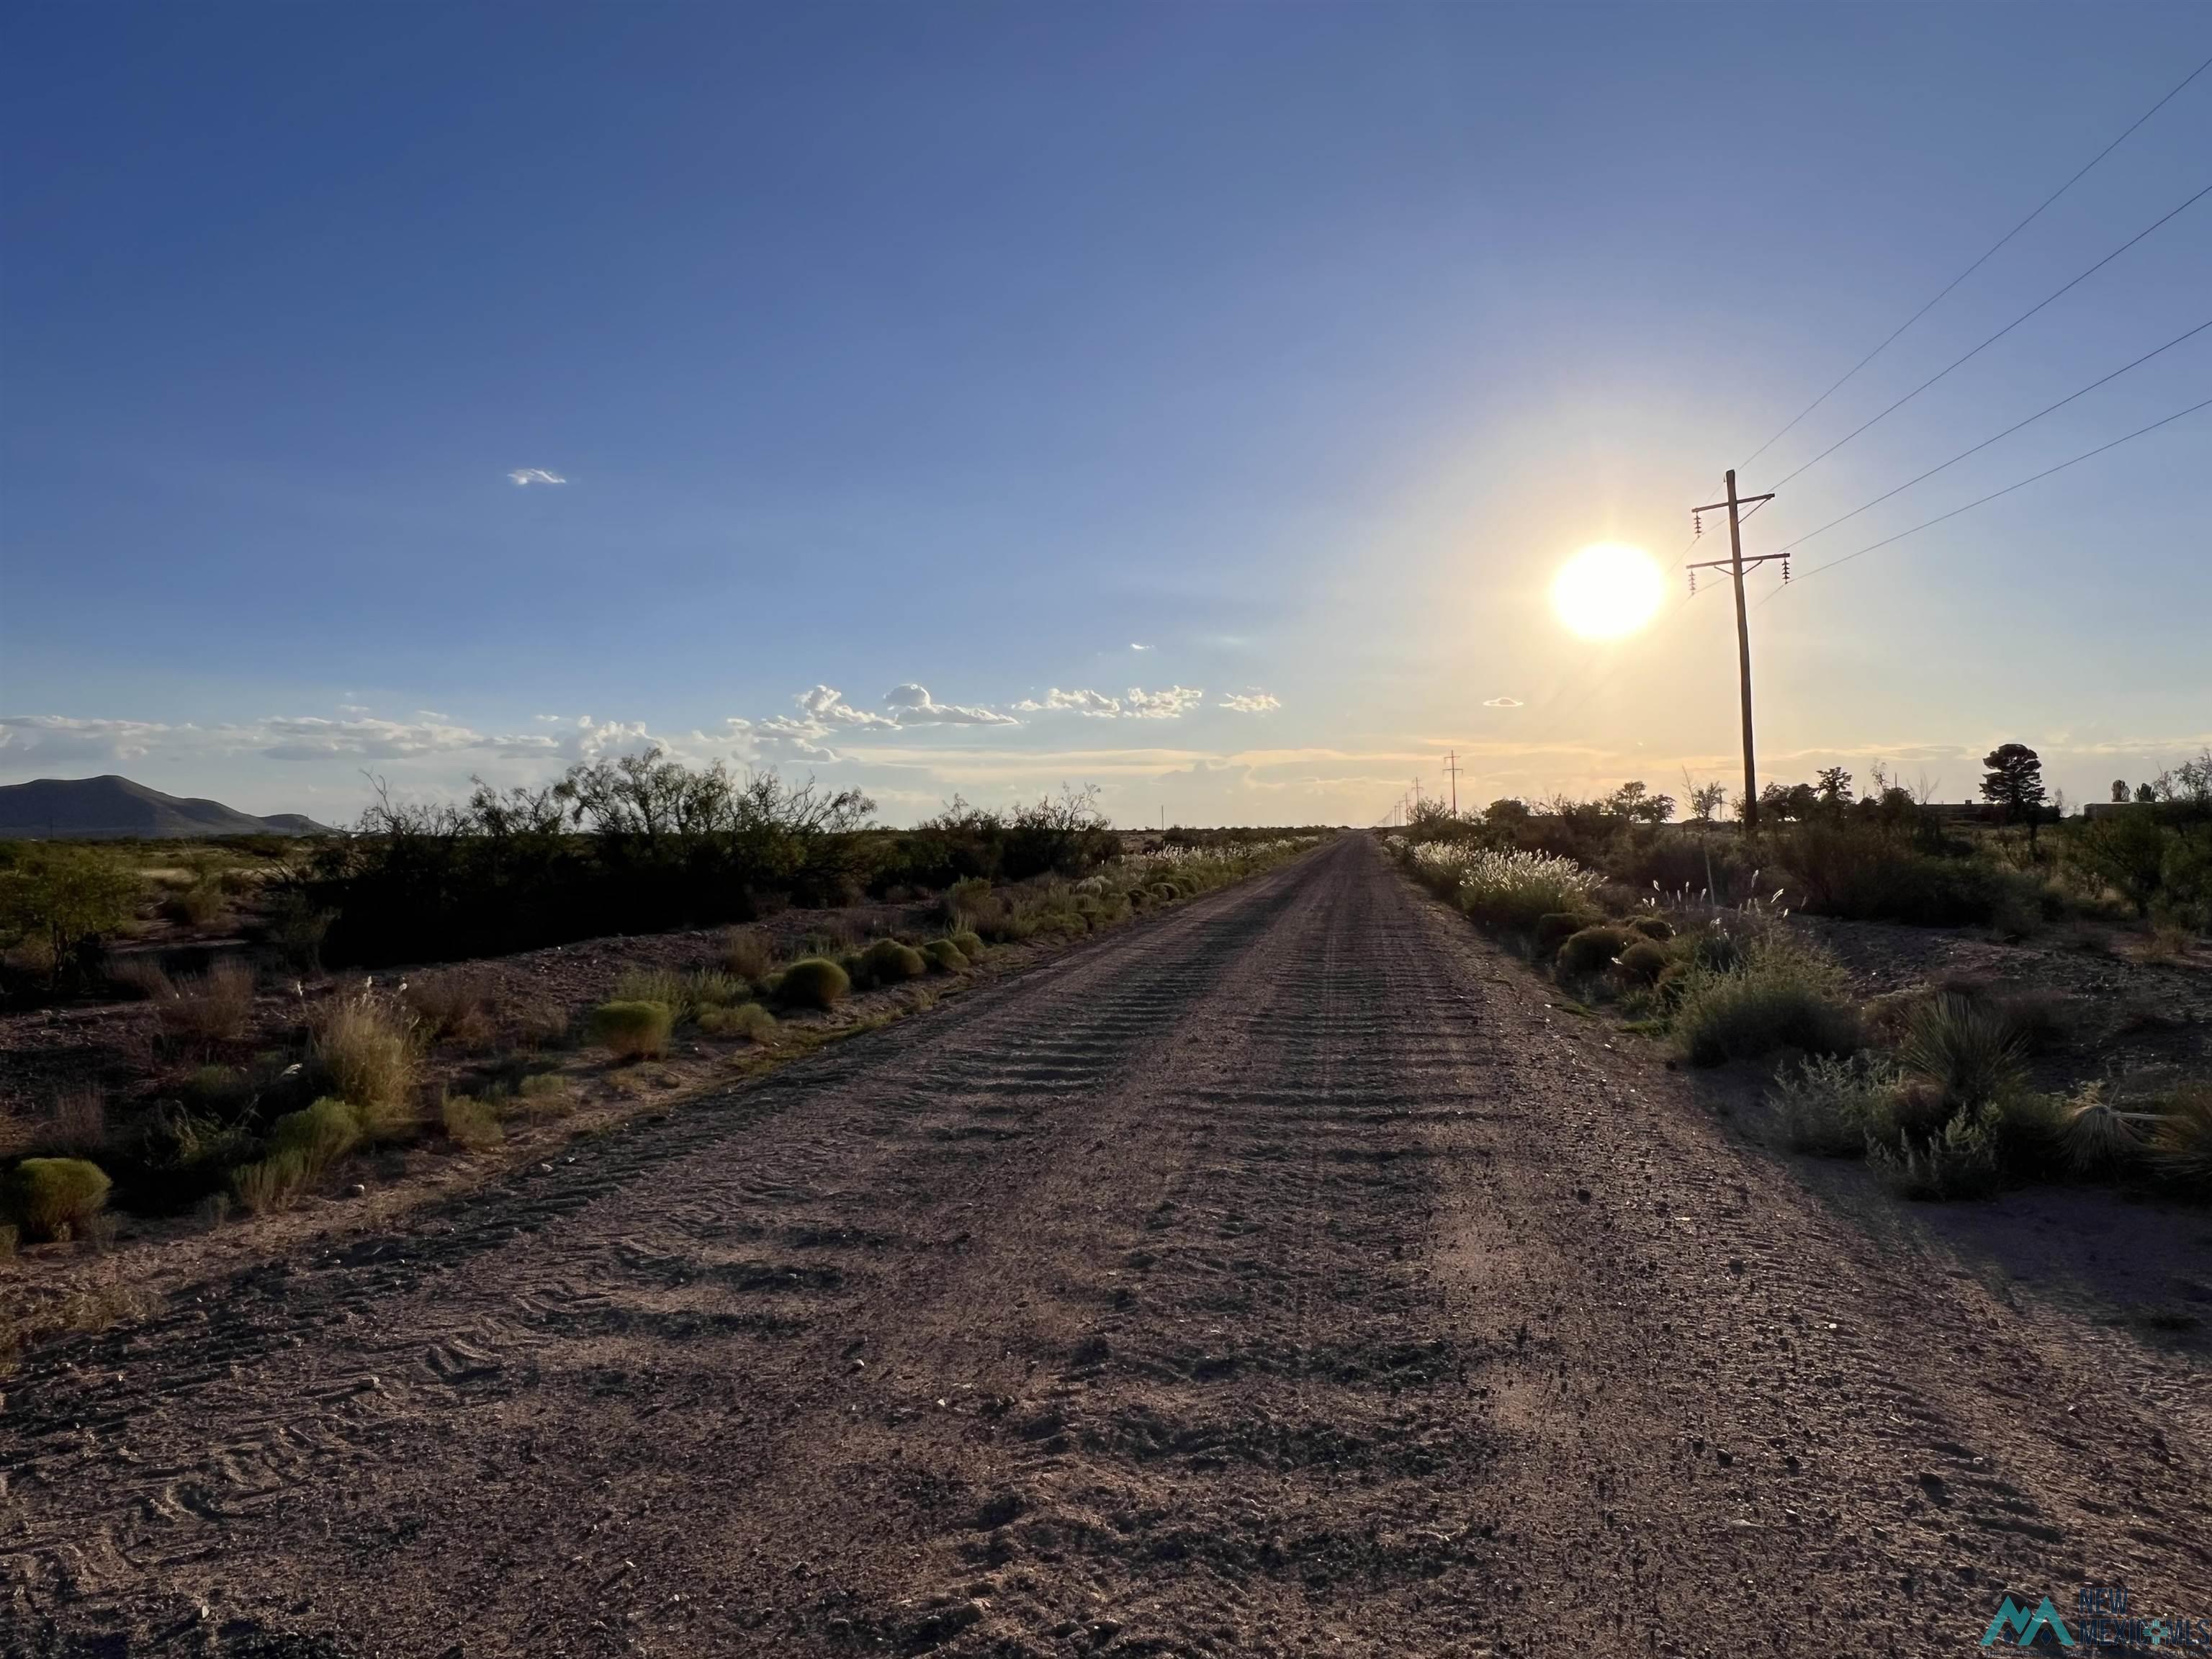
column 1729, row 564
column 1741, row 501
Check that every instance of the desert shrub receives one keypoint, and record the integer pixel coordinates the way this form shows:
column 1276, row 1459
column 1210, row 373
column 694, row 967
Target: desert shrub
column 2087, row 1135
column 198, row 905
column 747, row 952
column 664, row 985
column 946, row 956
column 470, row 1123
column 1644, row 961
column 1556, row 927
column 1785, row 992
column 966, row 897
column 1968, row 1049
column 318, row 1135
column 710, row 987
column 169, row 1159
column 65, row 900
column 1592, row 950
column 454, row 1005
column 270, row 1184
column 1654, row 927
column 544, row 1094
column 1509, row 891
column 1962, row 1161
column 887, row 962
column 2125, row 851
column 1833, row 1106
column 203, row 1009
column 140, row 976
column 747, row 1019
column 812, row 982
column 363, row 1048
column 2181, row 1139
column 54, row 1197
column 1873, row 871
column 632, row 1029
column 968, row 944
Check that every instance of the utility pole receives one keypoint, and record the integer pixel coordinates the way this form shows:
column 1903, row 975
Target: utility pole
column 1735, row 564
column 1452, row 768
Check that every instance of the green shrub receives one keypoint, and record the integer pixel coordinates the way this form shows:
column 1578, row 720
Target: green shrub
column 632, row 1029
column 1509, row 891
column 1784, row 993
column 662, row 985
column 270, row 1184
column 318, row 1135
column 1833, row 1107
column 1655, row 927
column 1872, row 873
column 887, row 962
column 545, row 1095
column 1960, row 1161
column 1968, row 1049
column 748, row 1019
column 1592, row 950
column 812, row 982
column 1644, row 961
column 470, row 1123
column 969, row 944
column 946, row 956
column 54, row 1197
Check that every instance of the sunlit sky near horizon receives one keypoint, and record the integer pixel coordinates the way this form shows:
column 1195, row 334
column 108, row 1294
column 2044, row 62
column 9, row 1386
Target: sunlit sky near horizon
column 1198, row 400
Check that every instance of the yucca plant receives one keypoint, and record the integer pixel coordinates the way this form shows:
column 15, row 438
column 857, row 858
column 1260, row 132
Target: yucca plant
column 2181, row 1138
column 1970, row 1052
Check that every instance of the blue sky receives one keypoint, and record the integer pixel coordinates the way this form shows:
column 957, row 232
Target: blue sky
column 941, row 357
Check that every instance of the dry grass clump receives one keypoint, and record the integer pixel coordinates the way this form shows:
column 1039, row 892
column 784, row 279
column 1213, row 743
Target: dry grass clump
column 747, row 1019
column 544, row 1096
column 273, row 1183
column 2181, row 1139
column 77, row 1126
column 1971, row 1050
column 201, row 1010
column 749, row 953
column 632, row 1029
column 454, row 1005
column 54, row 1197
column 364, row 1048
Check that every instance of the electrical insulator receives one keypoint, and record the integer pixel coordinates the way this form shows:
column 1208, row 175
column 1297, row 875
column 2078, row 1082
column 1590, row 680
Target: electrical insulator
column 1694, row 584
column 1785, row 572
column 1697, row 524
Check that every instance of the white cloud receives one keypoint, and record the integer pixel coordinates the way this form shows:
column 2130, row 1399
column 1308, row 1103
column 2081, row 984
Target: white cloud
column 1172, row 703
column 531, row 474
column 61, row 738
column 1095, row 703
column 1166, row 704
column 1133, row 646
column 916, row 707
column 1254, row 702
column 1503, row 702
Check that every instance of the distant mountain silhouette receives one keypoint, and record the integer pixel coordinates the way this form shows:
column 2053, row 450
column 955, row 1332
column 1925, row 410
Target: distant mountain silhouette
column 111, row 808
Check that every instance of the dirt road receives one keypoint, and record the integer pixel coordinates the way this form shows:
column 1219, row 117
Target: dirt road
column 1275, row 1276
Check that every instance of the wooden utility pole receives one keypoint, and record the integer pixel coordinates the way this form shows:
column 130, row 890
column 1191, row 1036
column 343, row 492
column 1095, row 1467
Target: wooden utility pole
column 1452, row 770
column 1735, row 564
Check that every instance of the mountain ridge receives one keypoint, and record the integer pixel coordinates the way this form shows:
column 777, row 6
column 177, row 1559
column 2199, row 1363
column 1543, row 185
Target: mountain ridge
column 112, row 807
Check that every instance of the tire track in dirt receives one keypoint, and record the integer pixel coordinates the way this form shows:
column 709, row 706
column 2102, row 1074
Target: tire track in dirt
column 1275, row 1276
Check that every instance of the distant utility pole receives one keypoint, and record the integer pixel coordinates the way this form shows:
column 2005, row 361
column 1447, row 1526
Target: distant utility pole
column 1452, row 766
column 1736, row 564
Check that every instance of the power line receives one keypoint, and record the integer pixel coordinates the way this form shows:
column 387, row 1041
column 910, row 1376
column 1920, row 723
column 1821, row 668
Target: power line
column 1979, row 263
column 2006, row 433
column 2086, row 455
column 1999, row 335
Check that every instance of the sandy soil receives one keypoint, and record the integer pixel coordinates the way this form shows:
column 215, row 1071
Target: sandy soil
column 1278, row 1275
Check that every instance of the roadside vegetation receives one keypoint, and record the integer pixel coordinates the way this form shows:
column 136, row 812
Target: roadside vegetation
column 1689, row 934
column 249, row 1082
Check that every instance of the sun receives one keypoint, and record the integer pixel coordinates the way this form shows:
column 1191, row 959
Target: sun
column 1607, row 591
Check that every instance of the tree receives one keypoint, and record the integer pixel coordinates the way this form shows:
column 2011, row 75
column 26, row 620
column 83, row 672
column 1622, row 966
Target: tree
column 1635, row 803
column 2127, row 850
column 2014, row 783
column 62, row 901
column 2146, row 794
column 1706, row 799
column 1834, row 785
column 2119, row 789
